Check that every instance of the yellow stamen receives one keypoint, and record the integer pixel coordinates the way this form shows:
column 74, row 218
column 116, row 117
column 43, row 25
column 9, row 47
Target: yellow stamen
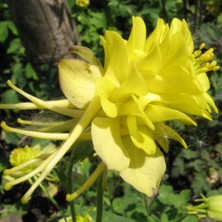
column 203, row 60
column 202, row 46
column 93, row 177
column 197, row 53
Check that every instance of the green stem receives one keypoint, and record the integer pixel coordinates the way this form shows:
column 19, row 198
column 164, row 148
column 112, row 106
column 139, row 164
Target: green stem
column 70, row 187
column 93, row 177
column 99, row 201
column 147, row 204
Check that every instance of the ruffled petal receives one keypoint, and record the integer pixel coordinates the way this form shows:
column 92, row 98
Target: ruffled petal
column 158, row 113
column 141, row 136
column 116, row 57
column 136, row 41
column 145, row 171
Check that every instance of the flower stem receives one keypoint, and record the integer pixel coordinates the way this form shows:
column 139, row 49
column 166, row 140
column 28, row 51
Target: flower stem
column 99, row 201
column 147, row 204
column 70, row 186
column 93, row 177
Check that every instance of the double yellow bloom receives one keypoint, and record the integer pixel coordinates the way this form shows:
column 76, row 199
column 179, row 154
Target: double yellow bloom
column 124, row 106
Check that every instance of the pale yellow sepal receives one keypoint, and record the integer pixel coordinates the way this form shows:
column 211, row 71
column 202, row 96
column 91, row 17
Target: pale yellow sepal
column 107, row 143
column 145, row 171
column 77, row 79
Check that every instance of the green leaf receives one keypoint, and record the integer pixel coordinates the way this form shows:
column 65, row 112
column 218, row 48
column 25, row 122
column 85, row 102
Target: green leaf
column 110, row 217
column 164, row 217
column 12, row 27
column 153, row 218
column 184, row 197
column 167, row 197
column 15, row 46
column 30, row 72
column 122, row 204
column 190, row 218
column 3, row 31
column 9, row 96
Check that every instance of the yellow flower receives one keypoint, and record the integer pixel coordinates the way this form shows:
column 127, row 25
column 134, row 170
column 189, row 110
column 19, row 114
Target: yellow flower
column 209, row 207
column 144, row 83
column 82, row 3
column 25, row 162
column 124, row 106
column 21, row 155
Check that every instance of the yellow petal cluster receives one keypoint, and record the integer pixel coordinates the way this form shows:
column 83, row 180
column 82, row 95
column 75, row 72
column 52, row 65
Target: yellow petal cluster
column 145, row 82
column 125, row 105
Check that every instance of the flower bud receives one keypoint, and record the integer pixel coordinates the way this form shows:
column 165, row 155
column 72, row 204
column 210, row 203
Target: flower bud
column 214, row 205
column 209, row 207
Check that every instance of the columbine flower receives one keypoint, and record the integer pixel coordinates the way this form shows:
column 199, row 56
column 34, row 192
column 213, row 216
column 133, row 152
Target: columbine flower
column 209, row 207
column 124, row 106
column 144, row 83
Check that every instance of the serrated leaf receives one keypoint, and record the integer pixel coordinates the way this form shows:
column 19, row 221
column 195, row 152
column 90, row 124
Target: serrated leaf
column 120, row 205
column 166, row 196
column 184, row 197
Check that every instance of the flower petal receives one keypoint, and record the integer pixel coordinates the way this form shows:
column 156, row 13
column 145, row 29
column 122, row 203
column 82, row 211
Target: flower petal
column 159, row 113
column 164, row 133
column 77, row 80
column 137, row 38
column 116, row 57
column 104, row 88
column 145, row 171
column 141, row 136
column 107, row 143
